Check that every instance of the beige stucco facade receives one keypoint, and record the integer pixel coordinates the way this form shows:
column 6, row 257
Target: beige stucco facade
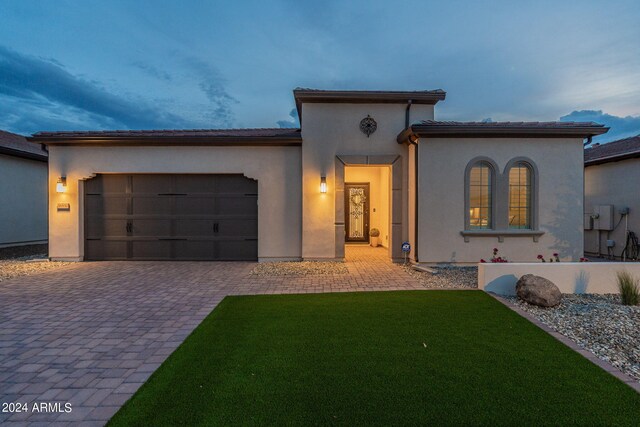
column 330, row 131
column 442, row 204
column 23, row 214
column 610, row 184
column 277, row 170
column 416, row 177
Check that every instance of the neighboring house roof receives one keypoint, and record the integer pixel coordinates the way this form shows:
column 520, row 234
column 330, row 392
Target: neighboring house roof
column 435, row 128
column 302, row 95
column 621, row 149
column 17, row 145
column 231, row 137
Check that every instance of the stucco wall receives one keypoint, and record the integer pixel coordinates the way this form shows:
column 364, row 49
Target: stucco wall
column 442, row 204
column 571, row 277
column 23, row 211
column 612, row 184
column 277, row 170
column 333, row 129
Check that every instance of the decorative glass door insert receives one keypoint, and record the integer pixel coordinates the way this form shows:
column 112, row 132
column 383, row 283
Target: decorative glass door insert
column 357, row 212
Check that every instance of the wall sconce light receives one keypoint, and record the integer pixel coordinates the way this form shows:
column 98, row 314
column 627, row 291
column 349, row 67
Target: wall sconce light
column 61, row 186
column 323, row 184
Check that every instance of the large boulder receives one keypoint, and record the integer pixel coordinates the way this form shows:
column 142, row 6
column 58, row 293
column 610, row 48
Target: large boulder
column 537, row 290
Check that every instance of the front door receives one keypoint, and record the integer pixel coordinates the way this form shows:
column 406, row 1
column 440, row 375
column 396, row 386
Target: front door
column 356, row 202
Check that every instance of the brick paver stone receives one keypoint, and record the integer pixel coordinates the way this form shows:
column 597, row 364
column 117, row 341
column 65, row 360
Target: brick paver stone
column 91, row 333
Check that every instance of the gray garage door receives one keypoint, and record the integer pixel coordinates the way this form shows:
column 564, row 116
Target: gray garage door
column 171, row 217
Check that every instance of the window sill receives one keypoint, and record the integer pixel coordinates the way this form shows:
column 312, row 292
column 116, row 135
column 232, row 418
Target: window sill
column 501, row 234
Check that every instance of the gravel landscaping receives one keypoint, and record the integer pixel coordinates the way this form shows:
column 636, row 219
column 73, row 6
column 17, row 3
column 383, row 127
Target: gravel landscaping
column 299, row 268
column 446, row 277
column 27, row 265
column 597, row 323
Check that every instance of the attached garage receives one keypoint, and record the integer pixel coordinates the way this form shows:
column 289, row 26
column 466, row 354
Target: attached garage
column 171, row 217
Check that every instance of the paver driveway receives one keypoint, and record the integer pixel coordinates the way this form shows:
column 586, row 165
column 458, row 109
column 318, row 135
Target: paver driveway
column 90, row 334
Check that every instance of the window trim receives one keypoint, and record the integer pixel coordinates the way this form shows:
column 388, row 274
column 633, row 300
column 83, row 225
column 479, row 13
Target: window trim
column 500, row 202
column 494, row 191
column 533, row 200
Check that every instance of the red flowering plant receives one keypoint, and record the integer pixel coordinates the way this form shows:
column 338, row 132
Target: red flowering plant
column 555, row 258
column 496, row 258
column 583, row 259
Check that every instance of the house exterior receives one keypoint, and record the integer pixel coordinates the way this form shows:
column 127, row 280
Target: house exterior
column 23, row 189
column 360, row 160
column 612, row 199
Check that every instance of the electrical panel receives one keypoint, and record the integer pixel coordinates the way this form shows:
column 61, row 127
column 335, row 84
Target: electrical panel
column 603, row 217
column 588, row 222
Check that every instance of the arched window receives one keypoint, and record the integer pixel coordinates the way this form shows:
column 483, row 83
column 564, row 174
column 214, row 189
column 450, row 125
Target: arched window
column 480, row 183
column 520, row 195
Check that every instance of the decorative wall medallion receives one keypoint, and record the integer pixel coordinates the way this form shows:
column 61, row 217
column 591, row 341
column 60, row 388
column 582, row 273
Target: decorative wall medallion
column 368, row 125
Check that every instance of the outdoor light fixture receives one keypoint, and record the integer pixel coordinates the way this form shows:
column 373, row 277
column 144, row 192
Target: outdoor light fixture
column 323, row 184
column 61, row 186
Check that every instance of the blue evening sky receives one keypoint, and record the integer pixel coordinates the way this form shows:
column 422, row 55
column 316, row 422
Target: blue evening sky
column 205, row 64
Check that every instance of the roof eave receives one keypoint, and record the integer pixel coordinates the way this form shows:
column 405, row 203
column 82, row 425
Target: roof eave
column 23, row 154
column 166, row 141
column 482, row 131
column 614, row 158
column 363, row 97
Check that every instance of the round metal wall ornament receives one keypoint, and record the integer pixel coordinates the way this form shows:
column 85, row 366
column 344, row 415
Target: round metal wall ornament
column 368, row 125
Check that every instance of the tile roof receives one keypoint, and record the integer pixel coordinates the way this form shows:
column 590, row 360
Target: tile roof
column 502, row 129
column 225, row 133
column 17, row 145
column 612, row 151
column 220, row 137
column 511, row 125
column 303, row 95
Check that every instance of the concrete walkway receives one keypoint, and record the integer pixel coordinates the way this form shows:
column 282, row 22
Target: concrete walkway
column 90, row 334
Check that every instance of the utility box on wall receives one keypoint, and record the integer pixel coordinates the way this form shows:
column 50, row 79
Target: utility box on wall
column 603, row 217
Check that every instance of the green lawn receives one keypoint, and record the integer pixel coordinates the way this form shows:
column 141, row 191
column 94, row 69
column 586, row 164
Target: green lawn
column 420, row 357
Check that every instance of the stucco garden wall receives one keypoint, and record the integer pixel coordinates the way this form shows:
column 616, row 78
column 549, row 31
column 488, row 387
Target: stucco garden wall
column 610, row 184
column 23, row 188
column 329, row 130
column 277, row 170
column 571, row 278
column 442, row 198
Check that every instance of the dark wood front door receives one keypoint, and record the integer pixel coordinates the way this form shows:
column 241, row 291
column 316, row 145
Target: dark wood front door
column 356, row 212
column 171, row 217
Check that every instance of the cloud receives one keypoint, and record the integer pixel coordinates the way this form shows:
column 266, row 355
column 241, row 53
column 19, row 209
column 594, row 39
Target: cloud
column 212, row 84
column 153, row 71
column 292, row 123
column 38, row 94
column 621, row 127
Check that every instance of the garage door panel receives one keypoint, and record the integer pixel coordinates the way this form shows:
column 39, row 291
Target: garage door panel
column 107, row 184
column 195, row 184
column 194, row 250
column 235, row 184
column 197, row 217
column 194, row 227
column 151, row 228
column 237, row 250
column 151, row 205
column 245, row 228
column 151, row 249
column 237, row 205
column 105, row 249
column 99, row 205
column 97, row 227
column 194, row 205
column 153, row 184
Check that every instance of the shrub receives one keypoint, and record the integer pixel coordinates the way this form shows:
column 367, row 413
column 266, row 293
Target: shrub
column 629, row 288
column 374, row 232
column 496, row 258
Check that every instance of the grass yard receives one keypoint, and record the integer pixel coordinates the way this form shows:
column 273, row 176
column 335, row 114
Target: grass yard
column 419, row 357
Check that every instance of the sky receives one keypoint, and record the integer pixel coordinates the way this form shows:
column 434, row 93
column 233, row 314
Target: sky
column 117, row 64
